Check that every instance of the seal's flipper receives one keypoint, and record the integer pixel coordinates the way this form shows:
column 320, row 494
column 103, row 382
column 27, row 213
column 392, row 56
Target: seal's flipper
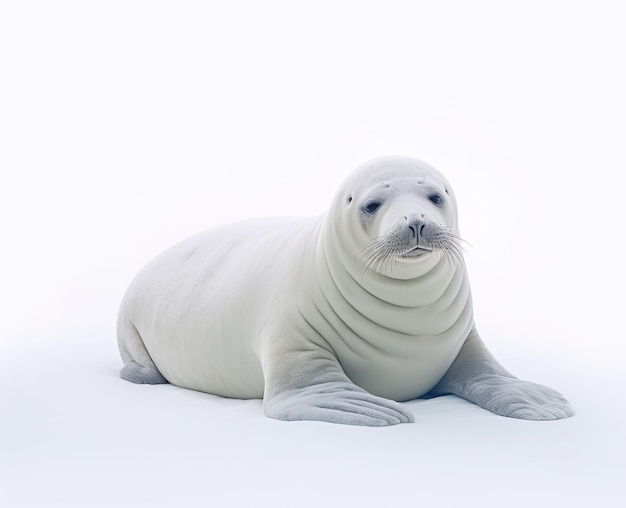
column 304, row 381
column 138, row 366
column 136, row 373
column 340, row 402
column 477, row 376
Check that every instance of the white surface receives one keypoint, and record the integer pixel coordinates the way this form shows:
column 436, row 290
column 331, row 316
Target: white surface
column 128, row 126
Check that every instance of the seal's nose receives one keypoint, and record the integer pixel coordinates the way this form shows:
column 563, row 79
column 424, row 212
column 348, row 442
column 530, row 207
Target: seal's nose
column 416, row 224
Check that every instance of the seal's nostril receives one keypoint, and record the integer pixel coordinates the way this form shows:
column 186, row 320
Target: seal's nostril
column 412, row 228
column 422, row 229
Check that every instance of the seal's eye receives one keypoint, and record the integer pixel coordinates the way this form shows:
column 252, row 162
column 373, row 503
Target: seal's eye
column 371, row 207
column 436, row 198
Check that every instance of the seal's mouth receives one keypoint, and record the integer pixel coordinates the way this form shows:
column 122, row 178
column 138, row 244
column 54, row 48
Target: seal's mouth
column 379, row 255
column 416, row 251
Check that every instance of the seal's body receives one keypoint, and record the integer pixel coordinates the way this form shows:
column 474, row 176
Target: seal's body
column 331, row 318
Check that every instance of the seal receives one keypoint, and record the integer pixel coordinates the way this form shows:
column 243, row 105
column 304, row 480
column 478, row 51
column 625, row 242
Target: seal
column 337, row 318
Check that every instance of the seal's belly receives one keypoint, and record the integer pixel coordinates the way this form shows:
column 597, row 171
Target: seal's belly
column 199, row 306
column 207, row 361
column 204, row 349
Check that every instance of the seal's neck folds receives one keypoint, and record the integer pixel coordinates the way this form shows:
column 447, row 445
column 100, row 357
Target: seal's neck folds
column 432, row 283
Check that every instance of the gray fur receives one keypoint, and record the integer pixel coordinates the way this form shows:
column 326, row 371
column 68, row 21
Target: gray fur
column 477, row 376
column 138, row 365
column 139, row 374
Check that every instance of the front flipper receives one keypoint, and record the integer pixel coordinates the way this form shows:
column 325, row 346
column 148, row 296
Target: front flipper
column 304, row 381
column 336, row 402
column 477, row 376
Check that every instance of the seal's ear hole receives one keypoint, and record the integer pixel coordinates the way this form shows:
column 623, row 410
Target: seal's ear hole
column 349, row 199
column 447, row 191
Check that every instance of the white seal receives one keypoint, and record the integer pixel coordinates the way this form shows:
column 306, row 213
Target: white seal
column 334, row 318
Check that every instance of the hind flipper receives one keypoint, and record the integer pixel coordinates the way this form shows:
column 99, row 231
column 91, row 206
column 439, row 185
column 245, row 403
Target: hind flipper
column 138, row 365
column 136, row 373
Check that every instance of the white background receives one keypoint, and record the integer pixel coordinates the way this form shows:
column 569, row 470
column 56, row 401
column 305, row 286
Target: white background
column 128, row 126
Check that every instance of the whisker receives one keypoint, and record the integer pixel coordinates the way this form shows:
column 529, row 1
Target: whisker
column 379, row 255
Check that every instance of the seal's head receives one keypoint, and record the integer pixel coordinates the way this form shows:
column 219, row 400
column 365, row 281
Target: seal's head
column 393, row 212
